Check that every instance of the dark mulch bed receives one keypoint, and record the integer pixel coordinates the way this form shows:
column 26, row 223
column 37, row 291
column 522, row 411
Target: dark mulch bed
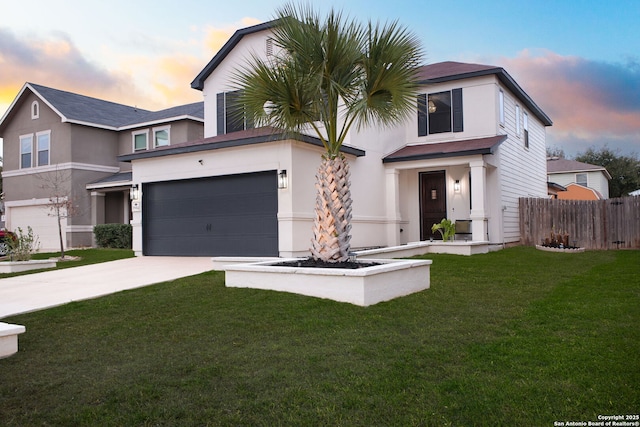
column 314, row 263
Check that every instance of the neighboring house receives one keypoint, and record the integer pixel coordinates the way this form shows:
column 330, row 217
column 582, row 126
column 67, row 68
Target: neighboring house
column 553, row 189
column 582, row 180
column 49, row 132
column 474, row 146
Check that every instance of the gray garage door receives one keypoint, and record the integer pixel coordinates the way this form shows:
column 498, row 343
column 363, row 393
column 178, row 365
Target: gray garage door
column 227, row 215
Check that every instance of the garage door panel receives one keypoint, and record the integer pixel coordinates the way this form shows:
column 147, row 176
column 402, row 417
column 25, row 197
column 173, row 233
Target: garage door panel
column 43, row 224
column 229, row 215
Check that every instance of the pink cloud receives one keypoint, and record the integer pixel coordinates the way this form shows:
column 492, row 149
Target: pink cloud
column 55, row 61
column 584, row 98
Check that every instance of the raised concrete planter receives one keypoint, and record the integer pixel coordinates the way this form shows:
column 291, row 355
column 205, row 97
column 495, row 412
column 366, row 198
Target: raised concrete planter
column 9, row 338
column 19, row 266
column 363, row 286
column 426, row 247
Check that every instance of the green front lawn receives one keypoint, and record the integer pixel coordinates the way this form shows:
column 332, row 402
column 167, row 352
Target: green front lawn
column 517, row 337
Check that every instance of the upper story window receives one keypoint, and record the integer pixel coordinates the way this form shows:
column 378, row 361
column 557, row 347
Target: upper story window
column 440, row 112
column 26, row 151
column 525, row 126
column 501, row 106
column 518, row 122
column 230, row 113
column 161, row 136
column 35, row 110
column 581, row 179
column 44, row 147
column 140, row 140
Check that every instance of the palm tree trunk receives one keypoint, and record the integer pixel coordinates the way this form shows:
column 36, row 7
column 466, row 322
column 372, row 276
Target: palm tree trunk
column 332, row 224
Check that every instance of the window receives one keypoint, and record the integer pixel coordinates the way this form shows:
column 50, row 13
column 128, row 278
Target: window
column 518, row 124
column 501, row 106
column 26, row 151
column 44, row 143
column 525, row 125
column 160, row 137
column 440, row 112
column 581, row 179
column 230, row 113
column 35, row 110
column 439, row 108
column 140, row 140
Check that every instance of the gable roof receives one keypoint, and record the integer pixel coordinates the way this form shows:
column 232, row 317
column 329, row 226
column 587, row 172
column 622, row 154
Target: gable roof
column 557, row 165
column 94, row 112
column 427, row 74
column 438, row 150
column 450, row 71
column 198, row 82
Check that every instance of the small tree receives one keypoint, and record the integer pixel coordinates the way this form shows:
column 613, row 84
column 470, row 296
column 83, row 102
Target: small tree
column 555, row 152
column 24, row 245
column 61, row 204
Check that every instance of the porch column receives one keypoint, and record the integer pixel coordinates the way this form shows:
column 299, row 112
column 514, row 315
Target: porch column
column 97, row 211
column 127, row 207
column 392, row 201
column 478, row 197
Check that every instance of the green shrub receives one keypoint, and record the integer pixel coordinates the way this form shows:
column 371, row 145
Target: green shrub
column 24, row 245
column 117, row 236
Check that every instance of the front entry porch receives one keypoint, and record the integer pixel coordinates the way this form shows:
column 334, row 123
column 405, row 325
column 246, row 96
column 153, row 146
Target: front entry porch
column 425, row 185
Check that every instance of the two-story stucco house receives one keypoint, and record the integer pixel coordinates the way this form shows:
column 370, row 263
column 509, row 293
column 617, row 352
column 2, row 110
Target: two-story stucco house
column 474, row 146
column 73, row 142
column 581, row 180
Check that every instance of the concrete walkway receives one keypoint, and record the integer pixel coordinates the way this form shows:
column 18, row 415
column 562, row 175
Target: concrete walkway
column 37, row 291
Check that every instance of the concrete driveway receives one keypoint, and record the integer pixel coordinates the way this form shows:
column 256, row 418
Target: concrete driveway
column 37, row 291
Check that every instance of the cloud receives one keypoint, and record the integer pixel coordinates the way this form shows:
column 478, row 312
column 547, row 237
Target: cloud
column 55, row 61
column 154, row 72
column 590, row 102
column 215, row 37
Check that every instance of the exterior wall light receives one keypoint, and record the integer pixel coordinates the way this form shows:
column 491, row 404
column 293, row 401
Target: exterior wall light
column 456, row 186
column 283, row 181
column 134, row 193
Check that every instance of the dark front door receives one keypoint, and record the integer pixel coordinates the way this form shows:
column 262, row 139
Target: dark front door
column 433, row 203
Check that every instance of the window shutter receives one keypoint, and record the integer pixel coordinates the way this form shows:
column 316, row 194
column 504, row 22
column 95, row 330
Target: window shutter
column 456, row 100
column 422, row 114
column 220, row 113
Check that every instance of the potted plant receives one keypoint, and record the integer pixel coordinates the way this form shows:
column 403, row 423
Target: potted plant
column 446, row 228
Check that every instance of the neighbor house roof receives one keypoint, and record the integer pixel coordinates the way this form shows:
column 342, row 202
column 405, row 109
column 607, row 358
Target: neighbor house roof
column 116, row 180
column 557, row 165
column 465, row 147
column 233, row 139
column 85, row 110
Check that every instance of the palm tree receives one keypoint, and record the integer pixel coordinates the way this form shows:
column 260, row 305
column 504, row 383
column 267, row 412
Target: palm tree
column 326, row 76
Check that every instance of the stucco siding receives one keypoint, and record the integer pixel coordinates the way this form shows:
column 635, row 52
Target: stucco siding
column 219, row 80
column 21, row 123
column 93, row 146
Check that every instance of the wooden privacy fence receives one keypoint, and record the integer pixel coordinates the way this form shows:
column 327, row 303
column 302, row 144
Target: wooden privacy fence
column 591, row 224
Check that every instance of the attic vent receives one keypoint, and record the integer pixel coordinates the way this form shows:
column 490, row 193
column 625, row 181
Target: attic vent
column 35, row 110
column 269, row 47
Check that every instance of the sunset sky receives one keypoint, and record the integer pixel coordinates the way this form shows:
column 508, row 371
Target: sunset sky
column 578, row 59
